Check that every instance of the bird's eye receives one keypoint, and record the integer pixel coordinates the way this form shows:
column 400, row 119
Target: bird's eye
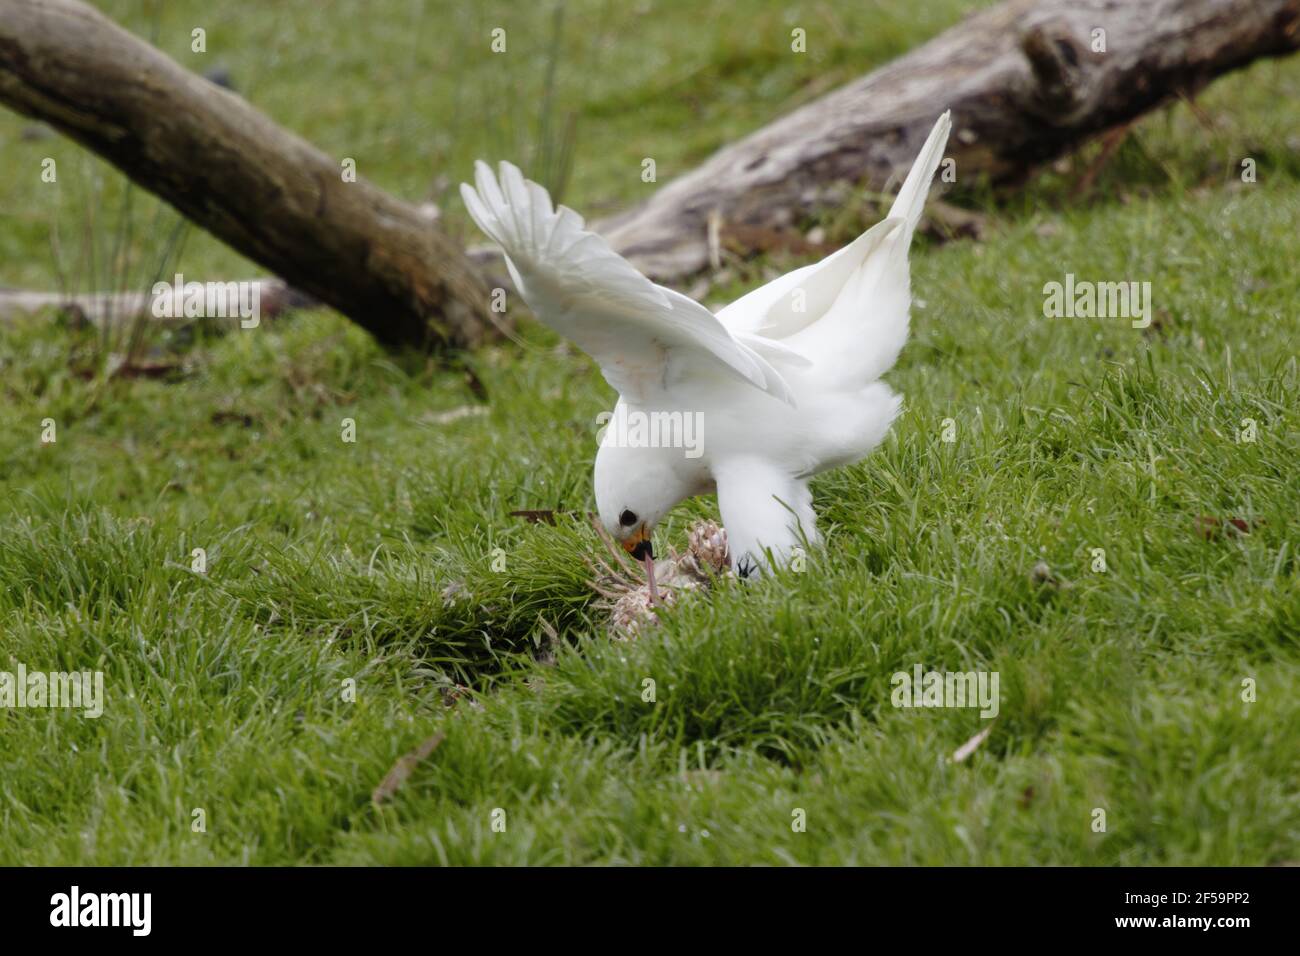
column 627, row 519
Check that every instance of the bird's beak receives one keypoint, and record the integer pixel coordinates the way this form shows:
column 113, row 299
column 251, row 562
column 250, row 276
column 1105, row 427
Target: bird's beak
column 638, row 544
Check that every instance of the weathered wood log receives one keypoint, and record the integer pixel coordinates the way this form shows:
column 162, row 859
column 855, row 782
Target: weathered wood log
column 1026, row 80
column 116, row 308
column 267, row 192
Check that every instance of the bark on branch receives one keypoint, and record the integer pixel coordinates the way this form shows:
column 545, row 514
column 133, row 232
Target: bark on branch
column 267, row 192
column 1023, row 82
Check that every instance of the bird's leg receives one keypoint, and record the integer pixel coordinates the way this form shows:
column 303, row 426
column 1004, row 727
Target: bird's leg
column 650, row 577
column 767, row 512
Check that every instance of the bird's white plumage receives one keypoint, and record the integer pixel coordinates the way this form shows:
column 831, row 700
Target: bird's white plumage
column 785, row 379
column 644, row 336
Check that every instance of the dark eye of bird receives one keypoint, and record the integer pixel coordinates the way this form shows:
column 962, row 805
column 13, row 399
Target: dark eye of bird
column 627, row 519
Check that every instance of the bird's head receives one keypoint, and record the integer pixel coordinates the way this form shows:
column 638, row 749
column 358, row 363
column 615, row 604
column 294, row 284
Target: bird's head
column 635, row 488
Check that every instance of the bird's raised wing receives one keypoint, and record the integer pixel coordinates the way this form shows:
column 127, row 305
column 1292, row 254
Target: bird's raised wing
column 849, row 313
column 644, row 336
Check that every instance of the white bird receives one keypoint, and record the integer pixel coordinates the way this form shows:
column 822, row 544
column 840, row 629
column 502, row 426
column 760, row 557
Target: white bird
column 785, row 380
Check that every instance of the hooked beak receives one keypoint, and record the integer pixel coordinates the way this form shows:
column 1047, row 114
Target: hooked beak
column 638, row 545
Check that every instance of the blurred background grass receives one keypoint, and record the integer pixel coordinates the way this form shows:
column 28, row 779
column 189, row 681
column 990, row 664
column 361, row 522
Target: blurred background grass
column 411, row 90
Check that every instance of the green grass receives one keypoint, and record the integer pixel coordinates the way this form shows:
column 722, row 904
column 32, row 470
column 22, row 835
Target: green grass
column 373, row 562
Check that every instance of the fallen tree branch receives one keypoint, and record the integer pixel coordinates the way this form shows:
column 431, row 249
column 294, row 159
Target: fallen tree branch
column 1023, row 81
column 103, row 308
column 268, row 193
